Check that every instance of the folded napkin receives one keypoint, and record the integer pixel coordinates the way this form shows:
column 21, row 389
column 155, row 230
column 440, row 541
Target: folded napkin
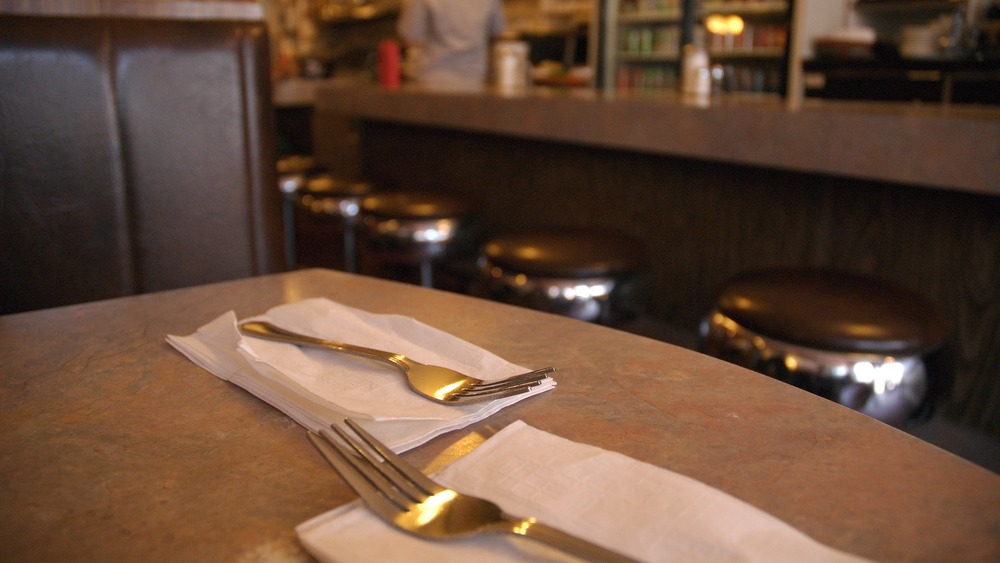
column 631, row 507
column 318, row 387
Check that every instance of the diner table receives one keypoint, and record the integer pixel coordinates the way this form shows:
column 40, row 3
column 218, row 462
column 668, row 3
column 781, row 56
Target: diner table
column 115, row 447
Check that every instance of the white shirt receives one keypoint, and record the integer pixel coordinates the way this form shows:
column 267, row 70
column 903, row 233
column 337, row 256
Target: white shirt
column 453, row 37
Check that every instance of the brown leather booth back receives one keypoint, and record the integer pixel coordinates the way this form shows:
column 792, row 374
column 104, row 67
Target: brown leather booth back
column 135, row 156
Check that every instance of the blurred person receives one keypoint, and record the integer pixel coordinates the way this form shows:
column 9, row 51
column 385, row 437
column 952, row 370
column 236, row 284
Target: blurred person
column 448, row 41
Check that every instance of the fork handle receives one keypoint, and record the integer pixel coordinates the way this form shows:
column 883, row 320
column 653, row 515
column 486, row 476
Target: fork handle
column 268, row 331
column 531, row 528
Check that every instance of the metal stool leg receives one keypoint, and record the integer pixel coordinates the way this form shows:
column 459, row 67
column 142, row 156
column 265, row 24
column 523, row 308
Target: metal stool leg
column 288, row 218
column 426, row 273
column 350, row 251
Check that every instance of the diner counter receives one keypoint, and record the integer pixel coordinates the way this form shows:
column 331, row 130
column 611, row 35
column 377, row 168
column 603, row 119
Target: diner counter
column 944, row 147
column 113, row 446
column 717, row 192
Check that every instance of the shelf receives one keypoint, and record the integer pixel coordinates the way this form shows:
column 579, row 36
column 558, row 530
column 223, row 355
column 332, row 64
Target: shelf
column 755, row 53
column 648, row 57
column 775, row 8
column 908, row 6
column 565, row 7
column 642, row 47
column 665, row 16
column 343, row 14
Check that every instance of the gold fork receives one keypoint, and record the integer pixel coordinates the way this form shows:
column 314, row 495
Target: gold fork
column 434, row 382
column 409, row 500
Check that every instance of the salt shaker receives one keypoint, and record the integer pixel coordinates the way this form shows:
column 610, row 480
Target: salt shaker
column 696, row 77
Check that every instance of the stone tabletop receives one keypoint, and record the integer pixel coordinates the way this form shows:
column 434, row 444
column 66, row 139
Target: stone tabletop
column 113, row 446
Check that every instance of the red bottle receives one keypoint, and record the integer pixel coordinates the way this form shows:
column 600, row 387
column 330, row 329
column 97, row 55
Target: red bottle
column 389, row 63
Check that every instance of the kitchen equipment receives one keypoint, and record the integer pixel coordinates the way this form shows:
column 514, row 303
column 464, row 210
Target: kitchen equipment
column 850, row 42
column 920, row 41
column 511, row 66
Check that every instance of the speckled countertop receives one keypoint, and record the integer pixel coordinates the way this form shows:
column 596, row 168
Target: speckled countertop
column 942, row 147
column 113, row 446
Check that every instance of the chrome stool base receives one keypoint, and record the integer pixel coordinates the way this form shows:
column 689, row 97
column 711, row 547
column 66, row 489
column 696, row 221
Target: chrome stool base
column 406, row 231
column 859, row 340
column 327, row 208
column 586, row 299
column 587, row 274
column 886, row 387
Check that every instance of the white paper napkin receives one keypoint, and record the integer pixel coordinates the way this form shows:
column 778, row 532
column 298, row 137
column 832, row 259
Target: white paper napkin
column 318, row 387
column 634, row 508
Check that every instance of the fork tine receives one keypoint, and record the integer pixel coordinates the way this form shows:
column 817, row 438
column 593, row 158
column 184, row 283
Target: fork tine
column 537, row 375
column 370, row 469
column 495, row 393
column 398, row 464
column 500, row 389
column 384, row 475
column 454, row 515
column 361, row 482
column 528, row 383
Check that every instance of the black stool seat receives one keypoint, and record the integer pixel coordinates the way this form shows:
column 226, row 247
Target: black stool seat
column 416, row 205
column 324, row 183
column 326, row 215
column 326, row 195
column 567, row 253
column 416, row 228
column 834, row 311
column 855, row 339
column 296, row 164
column 593, row 275
column 293, row 171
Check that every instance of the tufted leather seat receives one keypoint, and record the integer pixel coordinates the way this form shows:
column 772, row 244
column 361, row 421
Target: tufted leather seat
column 587, row 273
column 852, row 338
column 137, row 156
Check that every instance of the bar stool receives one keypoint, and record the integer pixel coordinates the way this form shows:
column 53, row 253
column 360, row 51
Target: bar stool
column 292, row 173
column 404, row 231
column 593, row 275
column 327, row 211
column 857, row 340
